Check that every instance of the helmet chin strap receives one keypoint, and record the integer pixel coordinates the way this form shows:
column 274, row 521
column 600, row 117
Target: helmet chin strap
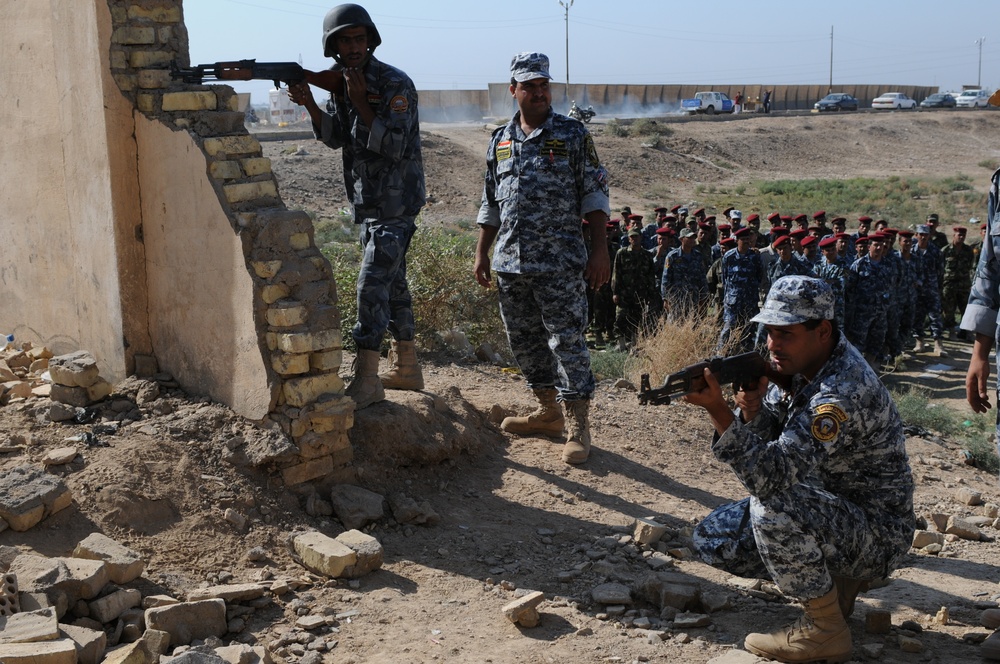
column 336, row 57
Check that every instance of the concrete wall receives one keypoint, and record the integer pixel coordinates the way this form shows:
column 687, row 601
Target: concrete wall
column 71, row 272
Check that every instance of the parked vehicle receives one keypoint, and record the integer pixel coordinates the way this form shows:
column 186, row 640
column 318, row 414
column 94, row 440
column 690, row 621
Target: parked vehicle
column 973, row 99
column 708, row 103
column 837, row 101
column 938, row 100
column 584, row 115
column 893, row 100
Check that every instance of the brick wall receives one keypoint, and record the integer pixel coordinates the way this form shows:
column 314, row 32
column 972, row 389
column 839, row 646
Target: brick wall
column 294, row 293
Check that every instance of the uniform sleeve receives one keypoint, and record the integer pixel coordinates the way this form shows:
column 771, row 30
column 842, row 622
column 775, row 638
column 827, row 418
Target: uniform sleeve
column 984, row 298
column 769, row 466
column 489, row 209
column 396, row 121
column 331, row 129
column 592, row 180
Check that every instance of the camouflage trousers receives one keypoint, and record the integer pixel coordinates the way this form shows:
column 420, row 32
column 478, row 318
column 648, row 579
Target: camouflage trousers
column 892, row 323
column 798, row 539
column 907, row 307
column 954, row 296
column 738, row 321
column 928, row 307
column 867, row 329
column 604, row 311
column 383, row 295
column 545, row 315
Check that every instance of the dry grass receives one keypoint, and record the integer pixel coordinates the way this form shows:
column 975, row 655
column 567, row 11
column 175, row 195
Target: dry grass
column 677, row 343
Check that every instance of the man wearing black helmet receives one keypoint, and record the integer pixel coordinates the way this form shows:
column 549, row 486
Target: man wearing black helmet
column 373, row 119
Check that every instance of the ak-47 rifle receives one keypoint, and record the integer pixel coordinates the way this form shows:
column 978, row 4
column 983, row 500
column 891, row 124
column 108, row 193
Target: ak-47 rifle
column 742, row 371
column 288, row 73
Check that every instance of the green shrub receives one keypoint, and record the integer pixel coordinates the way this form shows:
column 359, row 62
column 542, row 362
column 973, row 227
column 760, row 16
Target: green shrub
column 613, row 364
column 649, row 127
column 989, row 164
column 616, row 128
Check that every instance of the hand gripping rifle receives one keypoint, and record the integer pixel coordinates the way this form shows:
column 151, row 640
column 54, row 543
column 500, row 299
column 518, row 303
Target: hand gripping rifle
column 742, row 371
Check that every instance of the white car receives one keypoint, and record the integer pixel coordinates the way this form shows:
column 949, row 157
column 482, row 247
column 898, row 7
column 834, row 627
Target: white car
column 893, row 100
column 973, row 99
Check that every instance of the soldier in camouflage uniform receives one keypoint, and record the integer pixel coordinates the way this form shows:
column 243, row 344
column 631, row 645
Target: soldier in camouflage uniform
column 741, row 277
column 542, row 176
column 821, row 451
column 604, row 302
column 373, row 121
column 958, row 264
column 930, row 266
column 910, row 280
column 830, row 271
column 867, row 292
column 632, row 285
column 683, row 285
column 894, row 271
column 981, row 313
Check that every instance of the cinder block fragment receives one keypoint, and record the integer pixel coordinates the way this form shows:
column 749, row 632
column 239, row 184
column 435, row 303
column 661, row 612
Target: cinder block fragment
column 254, row 166
column 249, row 191
column 308, row 342
column 188, row 621
column 148, row 59
column 60, row 651
column 133, row 35
column 29, row 627
column 288, row 364
column 28, row 494
column 322, row 554
column 77, row 369
column 194, row 100
column 307, row 389
column 309, row 470
column 90, row 643
column 368, row 550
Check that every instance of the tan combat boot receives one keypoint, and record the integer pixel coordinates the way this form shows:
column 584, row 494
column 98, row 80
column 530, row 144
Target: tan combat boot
column 546, row 420
column 365, row 387
column 847, row 592
column 404, row 374
column 821, row 635
column 577, row 447
column 939, row 349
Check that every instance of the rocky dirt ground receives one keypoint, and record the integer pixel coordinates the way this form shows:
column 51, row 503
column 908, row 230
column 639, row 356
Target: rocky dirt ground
column 507, row 516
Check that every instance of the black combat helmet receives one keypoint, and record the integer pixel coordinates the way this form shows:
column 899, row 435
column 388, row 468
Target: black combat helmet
column 347, row 16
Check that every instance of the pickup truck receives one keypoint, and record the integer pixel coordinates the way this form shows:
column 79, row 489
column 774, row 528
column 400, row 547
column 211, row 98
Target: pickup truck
column 707, row 102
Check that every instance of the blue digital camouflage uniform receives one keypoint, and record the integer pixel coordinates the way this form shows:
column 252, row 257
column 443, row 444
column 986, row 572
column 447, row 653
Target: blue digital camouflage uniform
column 866, row 293
column 796, row 265
column 894, row 271
column 929, row 294
column 384, row 177
column 683, row 284
column 910, row 286
column 830, row 486
column 981, row 313
column 536, row 190
column 959, row 262
column 741, row 277
column 833, row 275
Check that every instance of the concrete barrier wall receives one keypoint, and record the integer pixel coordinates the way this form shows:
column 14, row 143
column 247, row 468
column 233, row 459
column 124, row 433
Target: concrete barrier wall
column 609, row 98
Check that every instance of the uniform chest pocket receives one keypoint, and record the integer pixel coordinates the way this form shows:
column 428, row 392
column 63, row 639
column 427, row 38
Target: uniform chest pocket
column 506, row 179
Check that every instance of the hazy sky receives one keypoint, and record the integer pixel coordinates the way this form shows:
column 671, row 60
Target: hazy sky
column 452, row 44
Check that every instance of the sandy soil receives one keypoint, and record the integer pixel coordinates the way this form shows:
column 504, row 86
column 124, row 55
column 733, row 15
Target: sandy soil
column 512, row 515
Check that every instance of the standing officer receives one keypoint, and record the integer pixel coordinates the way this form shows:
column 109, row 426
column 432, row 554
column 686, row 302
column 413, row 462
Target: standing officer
column 542, row 176
column 632, row 284
column 910, row 287
column 867, row 293
column 373, row 119
column 830, row 271
column 683, row 286
column 741, row 277
column 928, row 294
column 958, row 263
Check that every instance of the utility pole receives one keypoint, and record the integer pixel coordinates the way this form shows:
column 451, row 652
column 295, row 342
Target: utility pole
column 979, row 79
column 566, row 5
column 830, row 89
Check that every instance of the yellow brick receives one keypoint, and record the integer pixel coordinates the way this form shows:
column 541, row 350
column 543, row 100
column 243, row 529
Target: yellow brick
column 329, row 360
column 203, row 100
column 310, row 470
column 302, row 391
column 248, row 191
column 299, row 427
column 266, row 269
column 287, row 315
column 272, row 293
column 153, row 78
column 299, row 241
column 146, row 102
column 288, row 364
column 133, row 35
column 119, row 60
column 272, row 341
column 326, row 424
column 183, row 123
column 147, row 59
column 233, row 104
column 232, row 145
column 256, row 166
column 157, row 14
column 126, row 82
column 165, row 34
column 225, row 170
column 305, row 342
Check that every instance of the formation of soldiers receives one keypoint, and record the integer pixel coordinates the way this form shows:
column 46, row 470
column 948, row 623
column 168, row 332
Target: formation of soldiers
column 894, row 287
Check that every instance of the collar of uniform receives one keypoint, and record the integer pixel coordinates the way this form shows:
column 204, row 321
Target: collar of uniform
column 514, row 128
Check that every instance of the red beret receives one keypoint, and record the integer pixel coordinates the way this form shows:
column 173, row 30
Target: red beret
column 660, row 209
column 890, row 231
column 635, row 217
column 724, row 227
column 800, row 217
column 704, row 224
column 779, row 231
column 743, row 232
column 864, row 218
column 959, row 229
column 753, row 217
column 838, row 220
column 784, row 239
column 905, row 233
column 728, row 210
column 671, row 216
column 820, row 214
column 727, row 242
column 877, row 236
column 814, row 229
column 710, row 218
column 842, row 236
column 828, row 241
column 786, row 218
column 614, row 222
column 807, row 241
column 773, row 216
column 698, row 211
column 799, row 233
column 675, row 208
column 665, row 230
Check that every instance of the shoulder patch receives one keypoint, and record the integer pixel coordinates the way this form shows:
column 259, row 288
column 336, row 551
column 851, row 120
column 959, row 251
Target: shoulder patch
column 826, row 423
column 399, row 104
column 591, row 151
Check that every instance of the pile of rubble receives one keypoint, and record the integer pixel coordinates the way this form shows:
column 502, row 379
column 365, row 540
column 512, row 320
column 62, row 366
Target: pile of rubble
column 89, row 608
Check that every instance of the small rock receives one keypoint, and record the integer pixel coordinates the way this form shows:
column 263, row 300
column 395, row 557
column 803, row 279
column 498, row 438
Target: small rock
column 962, row 528
column 941, row 617
column 878, row 622
column 908, row 644
column 967, row 496
column 690, row 620
column 524, row 610
column 59, row 456
column 612, row 593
